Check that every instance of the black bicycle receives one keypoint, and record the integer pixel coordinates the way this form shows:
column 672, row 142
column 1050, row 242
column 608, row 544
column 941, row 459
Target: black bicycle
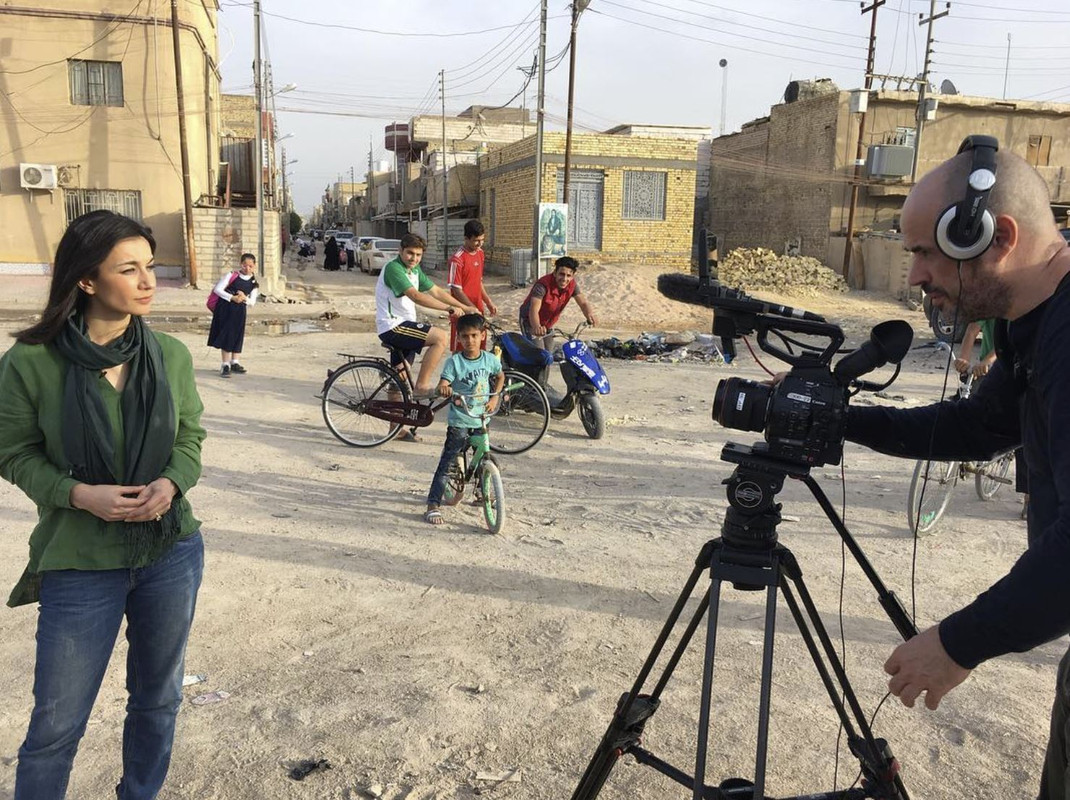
column 366, row 402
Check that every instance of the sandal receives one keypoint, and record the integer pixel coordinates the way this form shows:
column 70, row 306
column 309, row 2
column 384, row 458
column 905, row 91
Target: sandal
column 408, row 435
column 433, row 517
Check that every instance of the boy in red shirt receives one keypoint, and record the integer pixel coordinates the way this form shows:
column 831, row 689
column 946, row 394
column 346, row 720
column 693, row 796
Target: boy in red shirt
column 547, row 299
column 466, row 277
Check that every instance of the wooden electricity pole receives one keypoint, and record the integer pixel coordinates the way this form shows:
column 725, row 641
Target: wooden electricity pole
column 848, row 247
column 924, row 88
column 183, row 147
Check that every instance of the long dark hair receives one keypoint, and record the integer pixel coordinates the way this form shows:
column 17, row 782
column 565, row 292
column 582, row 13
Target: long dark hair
column 84, row 247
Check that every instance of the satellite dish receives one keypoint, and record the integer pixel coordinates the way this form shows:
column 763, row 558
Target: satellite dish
column 947, row 87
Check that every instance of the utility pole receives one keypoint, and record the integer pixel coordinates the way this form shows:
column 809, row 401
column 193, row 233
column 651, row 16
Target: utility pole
column 923, row 89
column 349, row 202
column 445, row 178
column 1007, row 66
column 540, row 102
column 848, row 247
column 258, row 88
column 578, row 7
column 183, row 146
column 370, row 183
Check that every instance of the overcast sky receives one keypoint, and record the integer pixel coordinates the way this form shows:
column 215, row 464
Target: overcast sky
column 369, row 62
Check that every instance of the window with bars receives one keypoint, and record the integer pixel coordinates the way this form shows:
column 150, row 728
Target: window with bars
column 96, row 83
column 644, row 195
column 122, row 201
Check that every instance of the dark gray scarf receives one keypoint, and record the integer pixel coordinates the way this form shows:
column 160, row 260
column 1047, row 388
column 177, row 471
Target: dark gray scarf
column 148, row 423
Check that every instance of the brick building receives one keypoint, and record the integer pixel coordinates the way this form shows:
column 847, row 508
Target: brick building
column 784, row 181
column 631, row 197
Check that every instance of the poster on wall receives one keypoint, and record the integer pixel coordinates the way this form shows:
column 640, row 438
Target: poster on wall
column 553, row 229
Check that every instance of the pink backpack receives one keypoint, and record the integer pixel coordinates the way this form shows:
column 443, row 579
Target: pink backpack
column 213, row 298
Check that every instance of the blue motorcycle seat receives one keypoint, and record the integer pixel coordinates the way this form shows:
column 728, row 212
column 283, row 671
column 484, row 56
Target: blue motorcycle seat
column 524, row 352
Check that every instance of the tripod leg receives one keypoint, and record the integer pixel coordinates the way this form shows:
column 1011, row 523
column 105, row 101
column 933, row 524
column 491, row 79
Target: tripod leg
column 766, row 694
column 877, row 762
column 702, row 745
column 634, row 708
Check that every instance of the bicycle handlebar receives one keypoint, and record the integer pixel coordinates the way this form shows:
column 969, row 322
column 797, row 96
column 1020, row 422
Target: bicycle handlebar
column 464, row 402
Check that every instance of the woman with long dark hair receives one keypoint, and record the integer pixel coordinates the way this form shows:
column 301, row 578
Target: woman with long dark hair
column 100, row 427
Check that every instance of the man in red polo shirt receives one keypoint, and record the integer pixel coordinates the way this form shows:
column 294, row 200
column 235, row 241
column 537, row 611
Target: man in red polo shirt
column 547, row 299
column 466, row 277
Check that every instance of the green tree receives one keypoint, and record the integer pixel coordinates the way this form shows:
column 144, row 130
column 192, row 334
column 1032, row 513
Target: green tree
column 295, row 223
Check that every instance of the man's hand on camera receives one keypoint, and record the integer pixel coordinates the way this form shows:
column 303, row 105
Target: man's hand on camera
column 962, row 366
column 921, row 665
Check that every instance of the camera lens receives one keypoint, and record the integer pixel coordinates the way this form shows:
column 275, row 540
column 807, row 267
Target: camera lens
column 741, row 404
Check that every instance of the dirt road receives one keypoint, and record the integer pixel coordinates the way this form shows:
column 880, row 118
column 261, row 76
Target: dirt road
column 417, row 659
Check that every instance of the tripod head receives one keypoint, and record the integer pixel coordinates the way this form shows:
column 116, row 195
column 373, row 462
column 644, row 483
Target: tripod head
column 753, row 513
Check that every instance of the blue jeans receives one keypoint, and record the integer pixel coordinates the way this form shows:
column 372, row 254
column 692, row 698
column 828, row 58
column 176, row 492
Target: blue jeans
column 456, row 441
column 79, row 618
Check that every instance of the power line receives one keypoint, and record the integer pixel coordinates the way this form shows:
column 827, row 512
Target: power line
column 719, row 30
column 738, row 48
column 121, row 20
column 505, row 58
column 526, row 21
column 793, row 35
column 376, row 31
column 774, row 20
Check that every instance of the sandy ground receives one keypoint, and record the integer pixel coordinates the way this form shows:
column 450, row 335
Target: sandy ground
column 419, row 659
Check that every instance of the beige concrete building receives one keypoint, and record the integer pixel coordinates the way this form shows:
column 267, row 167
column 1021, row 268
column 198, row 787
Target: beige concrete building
column 631, row 197
column 90, row 121
column 784, row 181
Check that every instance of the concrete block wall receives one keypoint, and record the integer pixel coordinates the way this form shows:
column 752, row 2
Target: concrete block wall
column 773, row 183
column 509, row 172
column 221, row 235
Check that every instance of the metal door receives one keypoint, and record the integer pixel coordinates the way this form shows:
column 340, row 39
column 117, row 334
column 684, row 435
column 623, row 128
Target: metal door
column 584, row 207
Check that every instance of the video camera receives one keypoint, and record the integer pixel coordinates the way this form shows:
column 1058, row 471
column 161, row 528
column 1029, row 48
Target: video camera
column 804, row 415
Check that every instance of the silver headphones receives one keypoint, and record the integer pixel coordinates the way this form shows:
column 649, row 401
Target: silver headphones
column 966, row 228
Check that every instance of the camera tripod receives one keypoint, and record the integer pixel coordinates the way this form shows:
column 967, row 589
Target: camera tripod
column 748, row 556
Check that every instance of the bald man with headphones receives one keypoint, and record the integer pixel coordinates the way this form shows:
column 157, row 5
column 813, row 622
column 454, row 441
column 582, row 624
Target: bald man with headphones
column 985, row 246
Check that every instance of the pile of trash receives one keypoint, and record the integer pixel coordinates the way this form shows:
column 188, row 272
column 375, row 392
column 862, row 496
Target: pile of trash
column 661, row 347
column 757, row 269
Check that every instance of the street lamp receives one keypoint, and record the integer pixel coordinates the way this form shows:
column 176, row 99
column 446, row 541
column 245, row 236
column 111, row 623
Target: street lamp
column 723, row 64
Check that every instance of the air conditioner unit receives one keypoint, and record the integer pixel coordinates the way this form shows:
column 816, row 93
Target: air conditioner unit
column 65, row 175
column 37, row 176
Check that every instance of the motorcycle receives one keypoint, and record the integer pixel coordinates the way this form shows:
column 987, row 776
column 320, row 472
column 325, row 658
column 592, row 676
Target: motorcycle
column 585, row 380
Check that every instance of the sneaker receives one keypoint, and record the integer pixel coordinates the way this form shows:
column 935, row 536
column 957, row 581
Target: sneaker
column 224, row 371
column 238, row 369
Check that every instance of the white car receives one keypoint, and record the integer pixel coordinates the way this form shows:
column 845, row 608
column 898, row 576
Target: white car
column 378, row 253
column 353, row 247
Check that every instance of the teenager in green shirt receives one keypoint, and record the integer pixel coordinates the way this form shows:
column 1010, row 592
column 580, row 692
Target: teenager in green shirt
column 100, row 427
column 402, row 286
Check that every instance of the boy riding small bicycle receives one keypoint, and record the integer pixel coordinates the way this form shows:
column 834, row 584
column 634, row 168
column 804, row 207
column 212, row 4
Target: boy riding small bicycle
column 467, row 373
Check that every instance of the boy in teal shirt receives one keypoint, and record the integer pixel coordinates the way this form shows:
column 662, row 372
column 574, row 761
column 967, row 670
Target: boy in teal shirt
column 469, row 373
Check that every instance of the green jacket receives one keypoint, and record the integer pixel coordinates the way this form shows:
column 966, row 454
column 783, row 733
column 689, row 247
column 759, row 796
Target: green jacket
column 31, row 452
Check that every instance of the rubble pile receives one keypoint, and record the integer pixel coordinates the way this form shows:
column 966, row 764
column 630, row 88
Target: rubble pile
column 663, row 347
column 757, row 269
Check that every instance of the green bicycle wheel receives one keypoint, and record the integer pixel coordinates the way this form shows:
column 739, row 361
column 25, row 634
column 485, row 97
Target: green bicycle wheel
column 493, row 492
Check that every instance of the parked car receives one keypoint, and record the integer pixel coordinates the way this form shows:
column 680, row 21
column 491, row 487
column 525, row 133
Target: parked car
column 329, row 233
column 354, row 246
column 362, row 247
column 379, row 253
